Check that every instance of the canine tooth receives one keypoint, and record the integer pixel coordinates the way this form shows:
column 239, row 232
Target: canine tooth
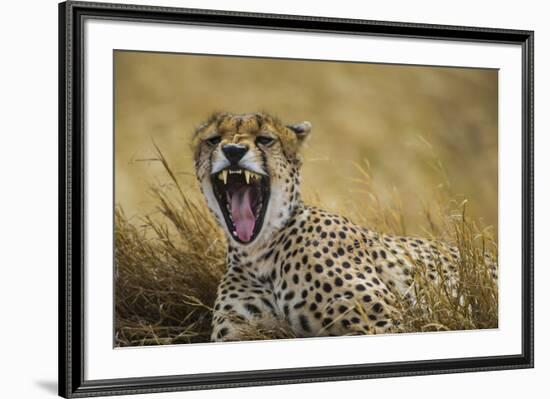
column 247, row 176
column 224, row 176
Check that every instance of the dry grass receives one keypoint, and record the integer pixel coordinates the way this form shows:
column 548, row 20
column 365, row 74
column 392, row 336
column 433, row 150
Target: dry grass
column 168, row 268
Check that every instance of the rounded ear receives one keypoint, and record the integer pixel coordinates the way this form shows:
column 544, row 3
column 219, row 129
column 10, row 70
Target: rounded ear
column 301, row 130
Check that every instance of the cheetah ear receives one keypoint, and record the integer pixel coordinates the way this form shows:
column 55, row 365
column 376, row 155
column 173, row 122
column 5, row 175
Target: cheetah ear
column 301, row 130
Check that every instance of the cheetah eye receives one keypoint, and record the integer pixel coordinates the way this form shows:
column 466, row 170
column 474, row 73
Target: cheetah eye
column 214, row 140
column 264, row 140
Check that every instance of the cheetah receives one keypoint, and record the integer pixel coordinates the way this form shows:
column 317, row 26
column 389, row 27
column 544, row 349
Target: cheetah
column 319, row 272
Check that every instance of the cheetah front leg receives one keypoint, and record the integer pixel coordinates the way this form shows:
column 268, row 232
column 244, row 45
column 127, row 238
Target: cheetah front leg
column 241, row 313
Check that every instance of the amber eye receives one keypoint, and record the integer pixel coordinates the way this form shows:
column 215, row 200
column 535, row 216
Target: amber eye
column 214, row 140
column 264, row 140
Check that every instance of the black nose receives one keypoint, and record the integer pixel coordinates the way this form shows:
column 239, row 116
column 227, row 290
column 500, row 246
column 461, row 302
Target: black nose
column 234, row 152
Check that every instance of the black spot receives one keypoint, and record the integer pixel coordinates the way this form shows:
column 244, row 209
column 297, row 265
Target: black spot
column 326, row 321
column 318, row 297
column 289, row 295
column 304, row 323
column 348, row 276
column 268, row 255
column 338, row 282
column 367, row 298
column 360, row 287
column 223, row 332
column 329, row 262
column 252, row 309
column 308, row 277
column 327, row 287
column 343, row 309
column 267, row 303
column 377, row 307
column 318, row 268
column 299, row 304
column 381, row 323
column 295, row 279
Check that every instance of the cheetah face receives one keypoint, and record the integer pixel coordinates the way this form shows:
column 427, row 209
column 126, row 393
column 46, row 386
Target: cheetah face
column 247, row 166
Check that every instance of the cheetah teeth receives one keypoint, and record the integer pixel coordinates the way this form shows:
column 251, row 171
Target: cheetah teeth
column 248, row 175
column 223, row 176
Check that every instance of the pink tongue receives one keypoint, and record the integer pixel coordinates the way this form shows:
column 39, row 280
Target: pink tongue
column 242, row 214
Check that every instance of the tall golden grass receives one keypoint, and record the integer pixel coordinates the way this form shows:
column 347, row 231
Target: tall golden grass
column 168, row 269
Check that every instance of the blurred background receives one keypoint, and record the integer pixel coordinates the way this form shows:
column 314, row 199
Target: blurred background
column 409, row 133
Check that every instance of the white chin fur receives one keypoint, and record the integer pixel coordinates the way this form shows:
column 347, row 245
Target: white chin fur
column 213, row 204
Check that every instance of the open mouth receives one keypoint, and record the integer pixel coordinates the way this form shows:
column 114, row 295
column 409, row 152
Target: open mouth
column 243, row 197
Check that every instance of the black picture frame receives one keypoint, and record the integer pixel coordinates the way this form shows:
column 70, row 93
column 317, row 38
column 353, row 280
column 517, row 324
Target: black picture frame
column 71, row 199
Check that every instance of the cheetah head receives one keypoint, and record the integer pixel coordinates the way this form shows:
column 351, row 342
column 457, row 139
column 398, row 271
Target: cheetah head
column 248, row 169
